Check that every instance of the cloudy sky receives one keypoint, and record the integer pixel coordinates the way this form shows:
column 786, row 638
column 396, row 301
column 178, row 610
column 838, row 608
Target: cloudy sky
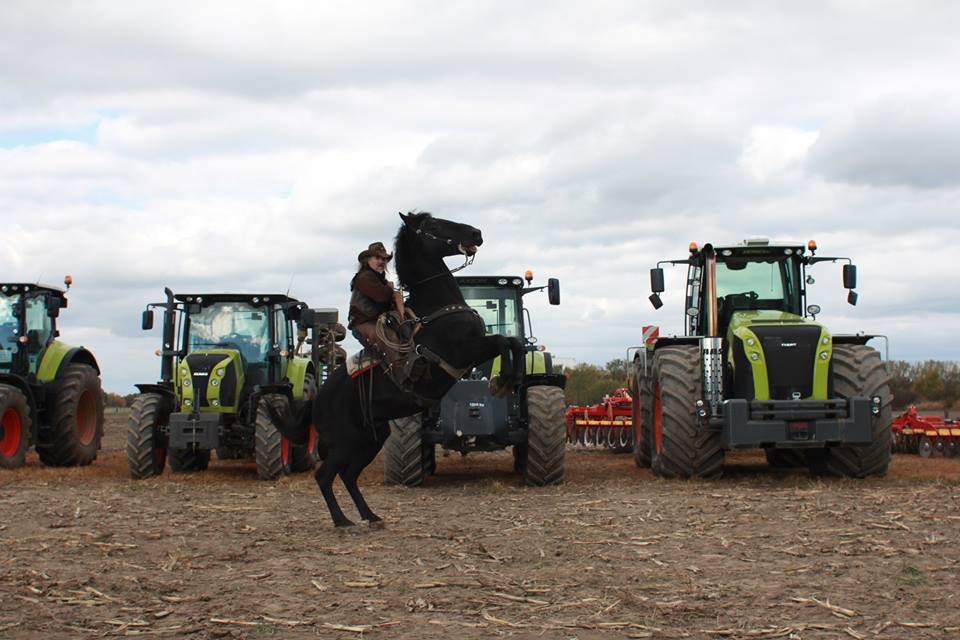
column 236, row 146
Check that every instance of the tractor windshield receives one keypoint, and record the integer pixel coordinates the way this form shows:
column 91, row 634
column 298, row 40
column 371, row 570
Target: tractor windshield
column 231, row 325
column 9, row 332
column 757, row 283
column 497, row 307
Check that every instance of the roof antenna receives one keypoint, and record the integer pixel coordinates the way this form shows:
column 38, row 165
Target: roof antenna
column 290, row 286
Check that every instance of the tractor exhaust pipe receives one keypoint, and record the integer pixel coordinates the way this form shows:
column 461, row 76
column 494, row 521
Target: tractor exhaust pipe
column 169, row 337
column 710, row 270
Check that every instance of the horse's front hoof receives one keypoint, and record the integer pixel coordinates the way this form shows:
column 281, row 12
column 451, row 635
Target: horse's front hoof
column 377, row 524
column 345, row 526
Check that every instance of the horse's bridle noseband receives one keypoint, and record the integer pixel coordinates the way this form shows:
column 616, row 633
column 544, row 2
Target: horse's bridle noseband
column 466, row 263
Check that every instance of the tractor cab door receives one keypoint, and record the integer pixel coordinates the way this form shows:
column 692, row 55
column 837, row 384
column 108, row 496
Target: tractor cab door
column 282, row 340
column 9, row 332
column 39, row 331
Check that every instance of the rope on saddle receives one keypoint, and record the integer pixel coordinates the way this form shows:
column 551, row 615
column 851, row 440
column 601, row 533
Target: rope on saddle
column 387, row 337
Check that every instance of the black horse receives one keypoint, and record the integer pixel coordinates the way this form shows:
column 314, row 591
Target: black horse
column 352, row 414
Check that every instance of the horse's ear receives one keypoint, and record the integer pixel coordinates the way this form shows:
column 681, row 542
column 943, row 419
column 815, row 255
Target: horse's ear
column 404, row 217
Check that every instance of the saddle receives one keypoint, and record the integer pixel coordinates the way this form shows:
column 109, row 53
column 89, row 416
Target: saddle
column 403, row 361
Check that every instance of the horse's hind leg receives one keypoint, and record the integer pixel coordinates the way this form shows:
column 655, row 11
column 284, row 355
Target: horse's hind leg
column 336, row 461
column 358, row 462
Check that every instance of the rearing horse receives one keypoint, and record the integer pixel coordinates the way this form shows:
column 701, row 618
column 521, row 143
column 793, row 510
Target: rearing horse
column 355, row 425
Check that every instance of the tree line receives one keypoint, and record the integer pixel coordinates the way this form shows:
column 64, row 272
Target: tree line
column 931, row 382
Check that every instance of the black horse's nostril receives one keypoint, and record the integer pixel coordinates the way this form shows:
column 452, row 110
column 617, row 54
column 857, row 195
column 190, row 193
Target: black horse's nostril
column 477, row 237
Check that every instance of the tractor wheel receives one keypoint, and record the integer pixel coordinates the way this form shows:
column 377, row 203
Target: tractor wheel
column 642, row 414
column 14, row 427
column 77, row 422
column 403, row 461
column 858, row 371
column 785, row 458
column 273, row 451
column 188, row 460
column 681, row 448
column 545, row 446
column 303, row 458
column 146, row 444
column 926, row 447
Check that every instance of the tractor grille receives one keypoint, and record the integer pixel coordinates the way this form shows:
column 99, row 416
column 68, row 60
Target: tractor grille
column 789, row 351
column 201, row 367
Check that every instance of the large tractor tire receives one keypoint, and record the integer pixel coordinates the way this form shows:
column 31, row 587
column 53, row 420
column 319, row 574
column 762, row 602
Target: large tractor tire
column 859, row 371
column 785, row 458
column 303, row 458
column 77, row 423
column 188, row 460
column 546, row 436
column 146, row 444
column 273, row 451
column 642, row 415
column 681, row 448
column 403, row 452
column 14, row 427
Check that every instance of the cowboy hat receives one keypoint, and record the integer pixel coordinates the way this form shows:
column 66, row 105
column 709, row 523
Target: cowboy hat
column 375, row 249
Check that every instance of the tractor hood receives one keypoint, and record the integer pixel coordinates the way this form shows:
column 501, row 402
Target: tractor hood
column 778, row 356
column 210, row 380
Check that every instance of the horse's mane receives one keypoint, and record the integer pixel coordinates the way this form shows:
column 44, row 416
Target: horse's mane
column 404, row 248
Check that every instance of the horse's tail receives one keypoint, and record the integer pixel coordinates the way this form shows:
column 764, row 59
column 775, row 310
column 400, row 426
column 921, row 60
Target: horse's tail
column 294, row 426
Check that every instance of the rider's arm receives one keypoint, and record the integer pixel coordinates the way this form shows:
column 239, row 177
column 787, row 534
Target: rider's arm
column 369, row 285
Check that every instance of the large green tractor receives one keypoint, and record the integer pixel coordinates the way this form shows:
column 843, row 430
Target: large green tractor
column 224, row 358
column 50, row 393
column 470, row 418
column 754, row 369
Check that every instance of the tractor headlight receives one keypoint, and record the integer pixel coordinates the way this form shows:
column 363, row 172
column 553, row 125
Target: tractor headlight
column 502, row 281
column 825, row 340
column 754, row 356
column 751, row 342
column 188, row 402
column 215, row 382
column 824, row 355
column 215, row 402
column 186, row 382
column 220, row 372
column 183, row 373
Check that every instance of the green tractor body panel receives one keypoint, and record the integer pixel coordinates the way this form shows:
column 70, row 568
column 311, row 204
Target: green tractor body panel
column 211, row 380
column 51, row 360
column 536, row 363
column 743, row 334
column 296, row 373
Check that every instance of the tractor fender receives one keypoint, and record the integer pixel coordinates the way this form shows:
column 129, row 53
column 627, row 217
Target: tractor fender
column 159, row 389
column 544, row 379
column 59, row 355
column 671, row 341
column 859, row 338
column 297, row 370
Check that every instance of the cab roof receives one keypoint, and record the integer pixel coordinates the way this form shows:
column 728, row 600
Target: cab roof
column 12, row 288
column 489, row 281
column 261, row 298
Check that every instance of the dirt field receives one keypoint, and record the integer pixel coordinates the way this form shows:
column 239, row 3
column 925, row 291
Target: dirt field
column 613, row 553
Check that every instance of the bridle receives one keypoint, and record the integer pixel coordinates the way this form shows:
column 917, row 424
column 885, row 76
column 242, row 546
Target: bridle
column 468, row 259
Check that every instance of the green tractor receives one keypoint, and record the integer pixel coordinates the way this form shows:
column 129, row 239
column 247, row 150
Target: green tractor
column 50, row 393
column 224, row 358
column 469, row 418
column 755, row 370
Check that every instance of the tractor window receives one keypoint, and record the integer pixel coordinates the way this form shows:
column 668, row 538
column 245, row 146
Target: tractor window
column 8, row 329
column 232, row 325
column 497, row 307
column 757, row 284
column 39, row 329
column 281, row 328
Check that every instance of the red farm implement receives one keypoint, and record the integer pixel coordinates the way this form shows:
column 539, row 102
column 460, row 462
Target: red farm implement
column 925, row 435
column 607, row 424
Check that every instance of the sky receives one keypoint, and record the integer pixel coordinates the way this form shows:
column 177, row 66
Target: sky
column 255, row 147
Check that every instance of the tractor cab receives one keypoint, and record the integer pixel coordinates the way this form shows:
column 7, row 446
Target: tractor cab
column 498, row 300
column 28, row 315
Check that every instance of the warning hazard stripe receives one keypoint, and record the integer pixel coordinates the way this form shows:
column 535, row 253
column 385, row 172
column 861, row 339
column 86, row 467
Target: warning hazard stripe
column 650, row 333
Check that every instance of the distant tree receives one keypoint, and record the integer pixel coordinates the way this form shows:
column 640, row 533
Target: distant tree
column 111, row 399
column 901, row 382
column 928, row 380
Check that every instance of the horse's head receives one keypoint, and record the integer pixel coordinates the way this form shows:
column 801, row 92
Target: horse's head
column 441, row 238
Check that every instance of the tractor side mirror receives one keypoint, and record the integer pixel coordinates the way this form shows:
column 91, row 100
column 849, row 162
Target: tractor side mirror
column 553, row 291
column 656, row 281
column 146, row 322
column 305, row 318
column 655, row 300
column 53, row 307
column 852, row 297
column 849, row 276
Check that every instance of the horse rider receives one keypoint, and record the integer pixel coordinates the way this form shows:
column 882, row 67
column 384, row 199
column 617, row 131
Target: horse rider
column 372, row 295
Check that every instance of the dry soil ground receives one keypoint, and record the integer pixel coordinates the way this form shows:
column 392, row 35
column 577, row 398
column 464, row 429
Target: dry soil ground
column 612, row 553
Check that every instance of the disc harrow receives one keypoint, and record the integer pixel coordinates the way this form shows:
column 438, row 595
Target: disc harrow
column 607, row 424
column 926, row 436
